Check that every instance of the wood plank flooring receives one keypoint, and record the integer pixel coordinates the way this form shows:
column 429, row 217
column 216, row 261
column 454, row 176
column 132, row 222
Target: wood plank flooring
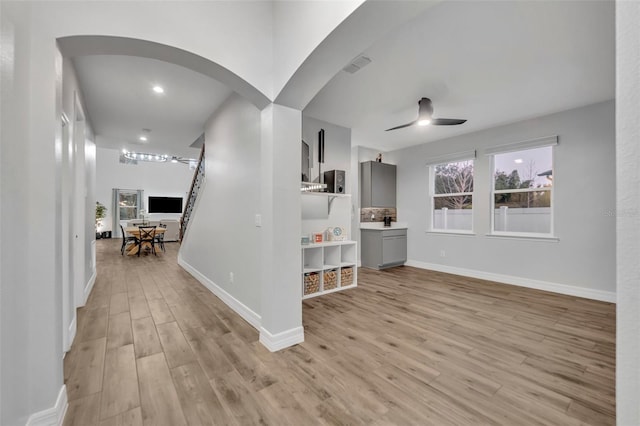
column 406, row 347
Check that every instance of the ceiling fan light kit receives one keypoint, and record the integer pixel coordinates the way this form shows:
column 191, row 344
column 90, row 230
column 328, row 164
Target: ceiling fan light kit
column 425, row 117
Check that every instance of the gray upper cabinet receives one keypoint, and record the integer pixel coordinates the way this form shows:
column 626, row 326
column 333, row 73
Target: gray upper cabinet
column 378, row 184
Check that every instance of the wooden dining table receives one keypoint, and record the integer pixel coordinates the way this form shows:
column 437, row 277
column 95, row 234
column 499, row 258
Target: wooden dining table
column 135, row 231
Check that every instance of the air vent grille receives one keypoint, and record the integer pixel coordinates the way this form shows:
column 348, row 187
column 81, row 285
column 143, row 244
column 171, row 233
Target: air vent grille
column 357, row 64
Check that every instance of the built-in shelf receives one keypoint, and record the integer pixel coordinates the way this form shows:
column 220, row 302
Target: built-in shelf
column 329, row 195
column 328, row 267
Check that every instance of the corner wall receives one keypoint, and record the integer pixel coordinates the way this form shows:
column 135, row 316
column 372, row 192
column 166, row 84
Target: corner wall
column 31, row 327
column 582, row 262
column 222, row 237
column 15, row 405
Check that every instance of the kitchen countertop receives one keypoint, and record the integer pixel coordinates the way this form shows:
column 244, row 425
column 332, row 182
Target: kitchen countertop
column 380, row 225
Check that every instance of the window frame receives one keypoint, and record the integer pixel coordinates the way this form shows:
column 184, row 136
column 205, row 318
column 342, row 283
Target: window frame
column 527, row 235
column 432, row 195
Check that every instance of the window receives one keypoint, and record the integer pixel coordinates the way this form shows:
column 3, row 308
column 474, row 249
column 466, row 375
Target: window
column 522, row 192
column 452, row 196
column 128, row 204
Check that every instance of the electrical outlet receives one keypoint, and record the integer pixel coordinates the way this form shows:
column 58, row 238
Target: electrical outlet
column 230, row 277
column 442, row 253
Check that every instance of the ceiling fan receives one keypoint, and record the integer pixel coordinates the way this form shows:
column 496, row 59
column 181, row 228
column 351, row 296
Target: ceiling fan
column 425, row 111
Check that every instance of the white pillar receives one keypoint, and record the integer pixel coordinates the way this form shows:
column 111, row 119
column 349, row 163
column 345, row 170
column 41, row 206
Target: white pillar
column 628, row 212
column 281, row 308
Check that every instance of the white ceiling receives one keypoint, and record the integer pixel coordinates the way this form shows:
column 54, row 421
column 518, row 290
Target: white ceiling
column 491, row 63
column 120, row 103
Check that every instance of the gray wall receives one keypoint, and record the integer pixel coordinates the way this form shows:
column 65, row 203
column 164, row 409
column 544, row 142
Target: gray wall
column 584, row 195
column 222, row 236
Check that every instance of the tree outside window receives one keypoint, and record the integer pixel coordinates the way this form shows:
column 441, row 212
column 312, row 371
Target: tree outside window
column 522, row 189
column 452, row 196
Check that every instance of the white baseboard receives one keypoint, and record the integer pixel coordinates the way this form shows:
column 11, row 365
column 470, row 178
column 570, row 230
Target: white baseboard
column 284, row 339
column 570, row 290
column 73, row 328
column 88, row 287
column 53, row 416
column 240, row 308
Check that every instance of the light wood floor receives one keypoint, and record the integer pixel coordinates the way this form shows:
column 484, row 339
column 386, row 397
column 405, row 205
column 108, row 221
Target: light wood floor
column 407, row 347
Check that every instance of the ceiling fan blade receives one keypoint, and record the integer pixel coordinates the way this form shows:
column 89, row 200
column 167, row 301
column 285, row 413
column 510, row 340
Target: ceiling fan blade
column 400, row 127
column 446, row 121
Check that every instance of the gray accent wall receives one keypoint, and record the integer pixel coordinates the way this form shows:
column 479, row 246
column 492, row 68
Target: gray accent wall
column 584, row 203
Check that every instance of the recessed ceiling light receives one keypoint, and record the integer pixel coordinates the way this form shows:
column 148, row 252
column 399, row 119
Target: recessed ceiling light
column 143, row 138
column 518, row 161
column 158, row 89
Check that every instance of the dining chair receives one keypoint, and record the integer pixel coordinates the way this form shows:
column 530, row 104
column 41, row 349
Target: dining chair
column 126, row 239
column 160, row 237
column 147, row 235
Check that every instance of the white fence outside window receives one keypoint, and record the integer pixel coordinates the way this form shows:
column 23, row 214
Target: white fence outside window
column 506, row 219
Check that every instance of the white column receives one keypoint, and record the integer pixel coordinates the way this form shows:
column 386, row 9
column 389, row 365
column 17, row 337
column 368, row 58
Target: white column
column 281, row 309
column 628, row 212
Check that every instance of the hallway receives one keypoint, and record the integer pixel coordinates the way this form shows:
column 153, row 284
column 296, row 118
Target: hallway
column 407, row 346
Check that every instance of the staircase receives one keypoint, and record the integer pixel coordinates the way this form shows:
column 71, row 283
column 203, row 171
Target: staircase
column 196, row 183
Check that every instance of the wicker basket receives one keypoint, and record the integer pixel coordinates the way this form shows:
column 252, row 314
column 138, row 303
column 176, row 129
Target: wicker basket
column 330, row 279
column 346, row 276
column 311, row 283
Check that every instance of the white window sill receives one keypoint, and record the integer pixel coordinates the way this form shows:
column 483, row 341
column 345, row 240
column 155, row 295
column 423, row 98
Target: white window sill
column 527, row 237
column 451, row 232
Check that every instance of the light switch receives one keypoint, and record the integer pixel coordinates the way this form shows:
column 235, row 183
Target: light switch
column 258, row 220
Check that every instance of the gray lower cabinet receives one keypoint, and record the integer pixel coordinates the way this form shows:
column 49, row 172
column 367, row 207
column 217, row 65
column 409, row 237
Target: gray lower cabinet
column 383, row 248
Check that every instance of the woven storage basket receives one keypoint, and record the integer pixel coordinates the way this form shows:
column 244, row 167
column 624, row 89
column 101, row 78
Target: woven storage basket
column 311, row 283
column 346, row 277
column 330, row 279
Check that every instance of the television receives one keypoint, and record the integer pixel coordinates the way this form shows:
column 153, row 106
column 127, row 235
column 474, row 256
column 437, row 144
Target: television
column 165, row 204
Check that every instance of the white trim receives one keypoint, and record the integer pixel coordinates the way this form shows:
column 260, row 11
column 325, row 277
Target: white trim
column 88, row 287
column 523, row 145
column 451, row 232
column 51, row 416
column 587, row 293
column 524, row 236
column 454, row 194
column 451, row 158
column 72, row 332
column 284, row 339
column 240, row 308
column 515, row 190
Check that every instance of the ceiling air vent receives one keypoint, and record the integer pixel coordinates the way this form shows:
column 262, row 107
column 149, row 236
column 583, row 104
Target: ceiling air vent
column 357, row 64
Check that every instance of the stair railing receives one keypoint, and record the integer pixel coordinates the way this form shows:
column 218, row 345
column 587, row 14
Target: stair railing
column 196, row 183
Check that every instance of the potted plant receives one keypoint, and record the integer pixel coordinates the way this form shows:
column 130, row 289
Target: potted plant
column 101, row 212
